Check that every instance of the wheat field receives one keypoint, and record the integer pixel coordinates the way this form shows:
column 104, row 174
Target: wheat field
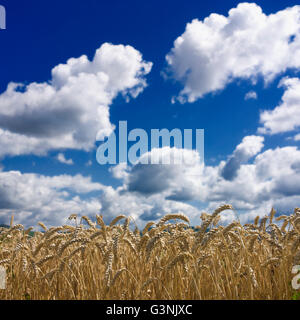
column 164, row 261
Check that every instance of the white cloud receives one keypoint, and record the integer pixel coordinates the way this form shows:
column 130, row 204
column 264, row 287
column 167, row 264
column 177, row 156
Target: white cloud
column 250, row 146
column 270, row 179
column 32, row 197
column 149, row 179
column 297, row 137
column 148, row 192
column 72, row 108
column 142, row 208
column 61, row 158
column 120, row 171
column 251, row 95
column 246, row 44
column 286, row 116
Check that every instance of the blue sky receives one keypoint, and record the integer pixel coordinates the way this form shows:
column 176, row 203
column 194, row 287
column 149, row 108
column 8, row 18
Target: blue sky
column 209, row 77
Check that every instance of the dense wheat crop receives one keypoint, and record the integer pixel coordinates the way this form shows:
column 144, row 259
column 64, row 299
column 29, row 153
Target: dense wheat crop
column 165, row 260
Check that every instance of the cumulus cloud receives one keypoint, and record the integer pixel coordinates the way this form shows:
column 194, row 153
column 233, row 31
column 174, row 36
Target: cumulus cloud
column 251, row 95
column 61, row 158
column 250, row 146
column 32, row 197
column 270, row 179
column 262, row 180
column 244, row 45
column 140, row 207
column 120, row 171
column 149, row 179
column 297, row 137
column 286, row 116
column 72, row 108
